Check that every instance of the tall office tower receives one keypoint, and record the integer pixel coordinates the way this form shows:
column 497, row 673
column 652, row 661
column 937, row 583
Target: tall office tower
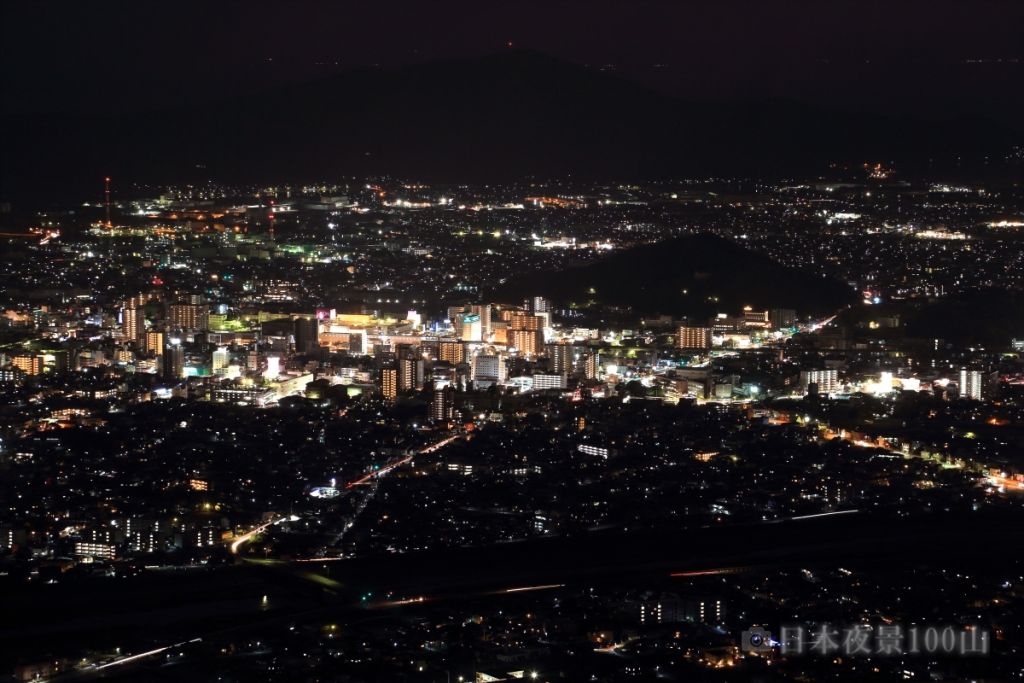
column 451, row 351
column 154, row 342
column 526, row 334
column 219, row 361
column 389, row 383
column 471, row 329
column 782, row 317
column 826, row 381
column 133, row 322
column 442, row 404
column 696, row 338
column 970, row 384
column 306, row 331
column 488, row 368
column 174, row 359
column 484, row 311
column 188, row 316
column 591, row 363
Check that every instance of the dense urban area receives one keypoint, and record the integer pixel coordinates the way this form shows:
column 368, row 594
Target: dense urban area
column 376, row 429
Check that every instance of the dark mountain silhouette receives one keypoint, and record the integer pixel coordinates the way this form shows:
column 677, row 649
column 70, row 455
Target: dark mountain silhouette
column 506, row 116
column 717, row 275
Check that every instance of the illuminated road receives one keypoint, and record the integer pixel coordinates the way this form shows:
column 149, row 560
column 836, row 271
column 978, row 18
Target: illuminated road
column 373, row 474
column 815, row 326
column 1005, row 484
column 93, row 670
column 248, row 536
column 142, row 655
column 237, row 544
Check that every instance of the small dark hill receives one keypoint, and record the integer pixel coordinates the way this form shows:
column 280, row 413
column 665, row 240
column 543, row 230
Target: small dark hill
column 716, row 275
column 987, row 318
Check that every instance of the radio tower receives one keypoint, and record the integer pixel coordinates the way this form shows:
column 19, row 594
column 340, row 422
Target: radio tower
column 106, row 199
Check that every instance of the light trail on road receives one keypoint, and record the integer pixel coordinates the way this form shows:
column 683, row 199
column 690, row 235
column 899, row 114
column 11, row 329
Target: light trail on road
column 401, row 461
column 142, row 655
column 705, row 572
column 248, row 536
column 527, row 589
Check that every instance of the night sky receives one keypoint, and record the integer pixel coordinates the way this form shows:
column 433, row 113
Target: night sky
column 922, row 57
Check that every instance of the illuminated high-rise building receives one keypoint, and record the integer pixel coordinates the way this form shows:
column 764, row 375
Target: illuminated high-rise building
column 29, row 363
column 488, row 368
column 451, row 351
column 133, row 322
column 752, row 318
column 970, row 384
column 410, row 375
column 563, row 358
column 471, row 327
column 442, row 374
column 154, row 342
column 174, row 359
column 526, row 342
column 526, row 321
column 538, row 304
column 389, row 383
column 825, row 381
column 188, row 316
column 526, row 334
column 273, row 369
column 484, row 312
column 220, row 360
column 306, row 331
column 137, row 301
column 548, row 381
column 695, row 338
column 442, row 404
